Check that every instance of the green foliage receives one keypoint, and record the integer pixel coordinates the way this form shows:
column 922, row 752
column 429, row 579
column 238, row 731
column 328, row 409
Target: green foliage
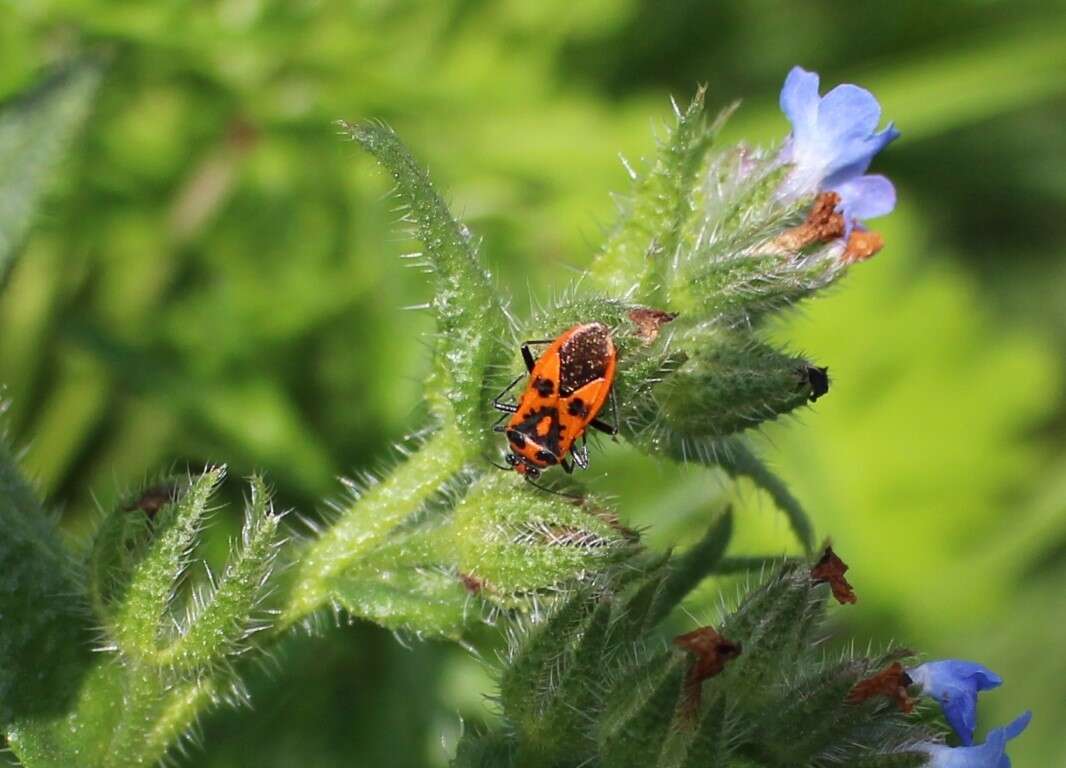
column 592, row 684
column 177, row 234
column 637, row 257
column 35, row 130
column 436, row 540
column 43, row 644
column 165, row 642
column 470, row 318
column 510, row 546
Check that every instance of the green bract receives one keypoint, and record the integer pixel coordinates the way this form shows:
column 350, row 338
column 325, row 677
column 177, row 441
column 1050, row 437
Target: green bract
column 595, row 685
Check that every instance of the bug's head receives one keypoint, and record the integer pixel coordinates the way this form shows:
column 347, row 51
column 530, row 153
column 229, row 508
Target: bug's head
column 522, row 466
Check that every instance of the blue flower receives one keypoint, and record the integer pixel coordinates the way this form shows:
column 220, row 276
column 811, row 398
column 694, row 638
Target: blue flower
column 955, row 685
column 834, row 138
column 991, row 754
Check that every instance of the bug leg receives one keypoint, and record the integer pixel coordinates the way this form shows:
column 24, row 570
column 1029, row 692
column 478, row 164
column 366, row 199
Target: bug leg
column 604, row 427
column 581, row 455
column 527, row 353
column 506, row 407
column 528, row 357
column 546, row 489
column 499, row 425
column 568, row 468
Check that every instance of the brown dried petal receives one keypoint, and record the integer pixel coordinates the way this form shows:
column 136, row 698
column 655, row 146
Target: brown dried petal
column 862, row 244
column 831, row 569
column 649, row 322
column 153, row 499
column 823, row 223
column 471, row 583
column 712, row 652
column 891, row 682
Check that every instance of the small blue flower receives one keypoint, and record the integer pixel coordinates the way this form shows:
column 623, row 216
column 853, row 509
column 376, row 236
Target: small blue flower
column 991, row 754
column 955, row 685
column 834, row 138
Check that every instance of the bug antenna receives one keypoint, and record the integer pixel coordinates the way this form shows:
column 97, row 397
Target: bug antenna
column 499, row 466
column 546, row 489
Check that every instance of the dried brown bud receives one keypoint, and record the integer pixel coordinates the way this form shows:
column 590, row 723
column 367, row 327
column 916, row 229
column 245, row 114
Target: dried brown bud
column 153, row 499
column 891, row 682
column 712, row 652
column 831, row 569
column 649, row 322
column 611, row 519
column 862, row 244
column 817, row 378
column 823, row 223
column 472, row 584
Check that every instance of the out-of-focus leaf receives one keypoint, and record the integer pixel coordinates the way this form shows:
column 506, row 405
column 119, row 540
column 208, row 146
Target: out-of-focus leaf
column 934, row 93
column 42, row 646
column 35, row 130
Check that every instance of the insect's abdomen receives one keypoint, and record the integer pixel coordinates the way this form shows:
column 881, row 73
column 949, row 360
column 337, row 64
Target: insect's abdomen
column 585, row 355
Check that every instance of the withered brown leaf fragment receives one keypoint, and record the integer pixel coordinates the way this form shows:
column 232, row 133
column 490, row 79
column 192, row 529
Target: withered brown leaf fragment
column 891, row 682
column 153, row 499
column 712, row 652
column 471, row 583
column 823, row 223
column 610, row 518
column 649, row 322
column 831, row 569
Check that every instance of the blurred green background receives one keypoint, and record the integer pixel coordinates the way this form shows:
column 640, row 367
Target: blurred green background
column 214, row 277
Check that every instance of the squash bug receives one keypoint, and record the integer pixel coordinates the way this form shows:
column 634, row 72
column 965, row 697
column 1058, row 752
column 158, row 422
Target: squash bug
column 568, row 386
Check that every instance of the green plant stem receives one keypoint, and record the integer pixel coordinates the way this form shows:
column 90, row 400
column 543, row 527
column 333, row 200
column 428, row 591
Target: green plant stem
column 368, row 521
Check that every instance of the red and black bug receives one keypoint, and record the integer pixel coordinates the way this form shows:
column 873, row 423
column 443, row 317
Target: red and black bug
column 568, row 387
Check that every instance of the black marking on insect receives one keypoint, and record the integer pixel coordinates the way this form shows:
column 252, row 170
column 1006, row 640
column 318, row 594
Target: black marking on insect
column 577, row 407
column 542, row 424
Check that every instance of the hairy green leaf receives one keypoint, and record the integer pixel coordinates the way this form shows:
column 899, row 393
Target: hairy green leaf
column 470, row 317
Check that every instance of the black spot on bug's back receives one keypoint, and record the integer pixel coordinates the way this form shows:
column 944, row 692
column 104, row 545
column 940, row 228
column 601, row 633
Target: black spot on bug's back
column 818, row 378
column 577, row 408
column 584, row 357
column 517, row 439
column 533, row 417
column 546, row 457
column 544, row 387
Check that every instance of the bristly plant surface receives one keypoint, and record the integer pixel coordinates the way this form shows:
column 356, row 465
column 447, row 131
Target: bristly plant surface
column 109, row 655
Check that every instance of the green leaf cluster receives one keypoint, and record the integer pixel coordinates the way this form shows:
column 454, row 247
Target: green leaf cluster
column 594, row 684
column 111, row 659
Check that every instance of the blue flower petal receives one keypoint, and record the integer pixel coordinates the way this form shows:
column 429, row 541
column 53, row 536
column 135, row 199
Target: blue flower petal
column 873, row 144
column 991, row 754
column 999, row 738
column 834, row 138
column 984, row 678
column 799, row 101
column 955, row 684
column 960, row 710
column 866, row 197
column 848, row 111
column 1020, row 723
